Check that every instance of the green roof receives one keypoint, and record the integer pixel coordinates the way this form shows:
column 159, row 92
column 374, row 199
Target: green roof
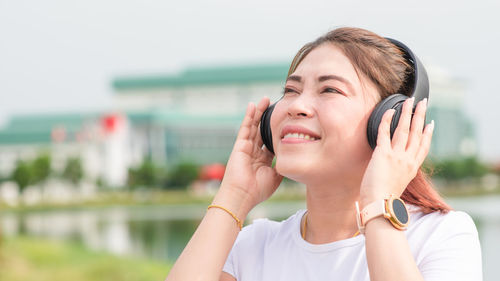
column 44, row 122
column 174, row 119
column 207, row 76
column 37, row 129
column 13, row 138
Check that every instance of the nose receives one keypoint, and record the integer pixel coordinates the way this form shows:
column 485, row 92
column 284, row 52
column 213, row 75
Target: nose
column 301, row 107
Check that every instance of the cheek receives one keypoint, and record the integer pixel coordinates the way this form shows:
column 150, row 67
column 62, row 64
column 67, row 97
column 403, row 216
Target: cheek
column 346, row 126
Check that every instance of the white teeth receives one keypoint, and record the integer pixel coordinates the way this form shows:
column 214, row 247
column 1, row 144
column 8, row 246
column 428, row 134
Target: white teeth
column 299, row 136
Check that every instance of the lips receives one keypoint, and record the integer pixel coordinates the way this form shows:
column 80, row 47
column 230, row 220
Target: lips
column 298, row 132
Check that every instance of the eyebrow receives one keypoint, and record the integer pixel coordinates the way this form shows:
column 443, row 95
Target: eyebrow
column 323, row 78
column 334, row 77
column 294, row 78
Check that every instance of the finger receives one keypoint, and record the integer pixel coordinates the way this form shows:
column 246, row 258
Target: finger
column 417, row 127
column 268, row 154
column 258, row 138
column 384, row 129
column 246, row 124
column 261, row 107
column 425, row 143
column 400, row 138
column 265, row 157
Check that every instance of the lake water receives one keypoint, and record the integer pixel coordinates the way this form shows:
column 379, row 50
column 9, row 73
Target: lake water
column 161, row 232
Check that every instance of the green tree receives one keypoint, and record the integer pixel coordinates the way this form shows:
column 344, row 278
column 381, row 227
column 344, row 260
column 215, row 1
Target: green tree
column 73, row 170
column 41, row 168
column 475, row 168
column 461, row 168
column 22, row 174
column 182, row 175
column 146, row 175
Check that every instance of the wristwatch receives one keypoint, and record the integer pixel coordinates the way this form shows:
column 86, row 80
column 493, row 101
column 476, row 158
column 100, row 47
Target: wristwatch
column 392, row 208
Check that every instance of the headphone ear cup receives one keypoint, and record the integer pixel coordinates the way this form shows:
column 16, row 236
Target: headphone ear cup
column 393, row 101
column 265, row 128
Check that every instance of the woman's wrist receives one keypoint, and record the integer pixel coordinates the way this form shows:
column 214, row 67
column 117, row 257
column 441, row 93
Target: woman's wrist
column 234, row 200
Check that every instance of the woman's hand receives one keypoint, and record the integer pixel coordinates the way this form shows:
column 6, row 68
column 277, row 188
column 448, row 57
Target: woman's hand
column 248, row 172
column 394, row 164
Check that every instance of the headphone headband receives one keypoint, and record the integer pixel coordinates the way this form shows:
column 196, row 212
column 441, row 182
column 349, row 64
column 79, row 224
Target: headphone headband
column 417, row 85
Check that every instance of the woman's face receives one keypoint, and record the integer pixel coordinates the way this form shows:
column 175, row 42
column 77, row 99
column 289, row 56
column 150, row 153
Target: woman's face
column 319, row 126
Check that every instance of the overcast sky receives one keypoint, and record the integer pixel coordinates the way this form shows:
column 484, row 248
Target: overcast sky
column 61, row 55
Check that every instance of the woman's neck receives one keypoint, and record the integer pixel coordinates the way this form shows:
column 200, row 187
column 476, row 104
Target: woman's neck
column 331, row 213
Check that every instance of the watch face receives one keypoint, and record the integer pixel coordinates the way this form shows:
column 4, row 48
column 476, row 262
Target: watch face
column 400, row 210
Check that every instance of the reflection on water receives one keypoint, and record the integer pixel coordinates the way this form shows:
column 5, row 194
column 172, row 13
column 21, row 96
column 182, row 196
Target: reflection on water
column 161, row 232
column 157, row 232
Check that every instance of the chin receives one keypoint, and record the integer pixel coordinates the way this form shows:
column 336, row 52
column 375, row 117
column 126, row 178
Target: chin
column 296, row 169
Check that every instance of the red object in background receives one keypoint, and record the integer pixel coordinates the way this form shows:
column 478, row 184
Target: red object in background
column 109, row 123
column 496, row 168
column 212, row 172
column 58, row 134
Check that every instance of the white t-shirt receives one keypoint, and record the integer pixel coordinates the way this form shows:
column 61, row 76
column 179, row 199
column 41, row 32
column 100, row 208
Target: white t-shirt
column 445, row 247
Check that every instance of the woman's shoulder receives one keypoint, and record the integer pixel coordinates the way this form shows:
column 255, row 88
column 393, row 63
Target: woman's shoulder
column 441, row 224
column 445, row 243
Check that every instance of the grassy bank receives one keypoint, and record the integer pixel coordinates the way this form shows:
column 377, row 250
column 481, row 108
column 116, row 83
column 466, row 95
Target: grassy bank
column 29, row 259
column 143, row 197
column 171, row 197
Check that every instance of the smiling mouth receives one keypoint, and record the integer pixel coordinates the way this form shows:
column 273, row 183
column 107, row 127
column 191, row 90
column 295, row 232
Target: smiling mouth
column 299, row 136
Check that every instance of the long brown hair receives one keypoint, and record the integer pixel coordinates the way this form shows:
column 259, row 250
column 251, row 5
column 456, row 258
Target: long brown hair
column 383, row 63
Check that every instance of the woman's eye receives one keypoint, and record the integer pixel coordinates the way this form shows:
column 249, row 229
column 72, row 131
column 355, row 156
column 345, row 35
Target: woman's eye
column 332, row 90
column 288, row 90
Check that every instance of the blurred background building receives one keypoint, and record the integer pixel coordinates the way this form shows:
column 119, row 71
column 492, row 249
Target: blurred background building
column 101, row 141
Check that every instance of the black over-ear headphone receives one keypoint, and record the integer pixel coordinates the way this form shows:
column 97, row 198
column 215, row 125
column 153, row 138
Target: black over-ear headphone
column 416, row 85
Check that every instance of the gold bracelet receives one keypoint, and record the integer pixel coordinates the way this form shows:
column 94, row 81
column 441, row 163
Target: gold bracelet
column 238, row 221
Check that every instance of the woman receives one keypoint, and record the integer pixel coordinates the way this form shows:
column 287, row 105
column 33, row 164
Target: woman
column 319, row 139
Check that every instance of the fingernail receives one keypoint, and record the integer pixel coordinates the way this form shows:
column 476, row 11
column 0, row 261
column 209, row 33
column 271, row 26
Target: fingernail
column 249, row 106
column 425, row 101
column 432, row 124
